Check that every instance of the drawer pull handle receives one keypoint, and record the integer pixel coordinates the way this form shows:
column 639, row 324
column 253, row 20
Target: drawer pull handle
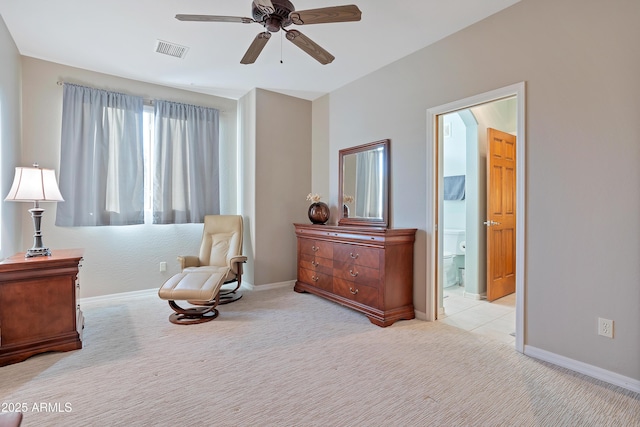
column 314, row 248
column 315, row 264
column 315, row 278
column 354, row 256
column 352, row 291
column 353, row 274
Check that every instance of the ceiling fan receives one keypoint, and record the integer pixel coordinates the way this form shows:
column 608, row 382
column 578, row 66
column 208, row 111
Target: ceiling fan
column 274, row 15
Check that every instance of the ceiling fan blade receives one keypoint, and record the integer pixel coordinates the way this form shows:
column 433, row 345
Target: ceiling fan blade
column 265, row 6
column 214, row 18
column 256, row 47
column 309, row 46
column 326, row 14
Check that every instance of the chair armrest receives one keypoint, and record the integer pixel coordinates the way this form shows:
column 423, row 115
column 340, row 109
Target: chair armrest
column 188, row 261
column 235, row 263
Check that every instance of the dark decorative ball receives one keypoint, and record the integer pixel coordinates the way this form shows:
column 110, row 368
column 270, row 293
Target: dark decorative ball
column 319, row 213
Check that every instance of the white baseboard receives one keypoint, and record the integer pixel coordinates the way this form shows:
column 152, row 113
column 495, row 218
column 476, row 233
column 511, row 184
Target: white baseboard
column 127, row 295
column 118, row 296
column 584, row 368
column 421, row 315
column 288, row 283
column 475, row 296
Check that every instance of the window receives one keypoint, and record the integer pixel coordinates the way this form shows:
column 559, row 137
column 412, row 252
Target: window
column 101, row 165
column 185, row 162
column 123, row 163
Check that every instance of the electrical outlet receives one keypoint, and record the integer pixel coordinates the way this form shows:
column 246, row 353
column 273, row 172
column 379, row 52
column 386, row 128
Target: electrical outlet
column 605, row 327
column 163, row 267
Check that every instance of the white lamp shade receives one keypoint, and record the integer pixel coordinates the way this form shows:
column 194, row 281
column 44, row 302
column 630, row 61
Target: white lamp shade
column 34, row 184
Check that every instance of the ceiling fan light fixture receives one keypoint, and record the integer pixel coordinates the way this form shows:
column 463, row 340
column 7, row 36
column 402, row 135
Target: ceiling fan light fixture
column 276, row 15
column 280, row 11
column 273, row 24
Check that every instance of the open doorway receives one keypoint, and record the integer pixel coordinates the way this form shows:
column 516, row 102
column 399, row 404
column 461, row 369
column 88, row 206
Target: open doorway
column 459, row 134
column 473, row 198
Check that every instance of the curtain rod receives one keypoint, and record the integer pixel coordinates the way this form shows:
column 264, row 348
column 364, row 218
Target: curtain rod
column 146, row 101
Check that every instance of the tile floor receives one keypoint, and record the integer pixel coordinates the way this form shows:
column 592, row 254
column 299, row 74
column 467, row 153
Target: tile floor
column 495, row 319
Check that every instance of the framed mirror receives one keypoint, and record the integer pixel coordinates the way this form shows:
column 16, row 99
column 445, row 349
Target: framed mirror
column 364, row 185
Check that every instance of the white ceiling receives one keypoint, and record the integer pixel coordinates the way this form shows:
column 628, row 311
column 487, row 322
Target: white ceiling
column 118, row 37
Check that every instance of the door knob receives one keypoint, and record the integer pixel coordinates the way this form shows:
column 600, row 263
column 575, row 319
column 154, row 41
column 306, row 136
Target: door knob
column 490, row 223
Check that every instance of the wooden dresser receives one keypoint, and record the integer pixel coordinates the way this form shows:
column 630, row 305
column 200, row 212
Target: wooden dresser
column 38, row 305
column 365, row 268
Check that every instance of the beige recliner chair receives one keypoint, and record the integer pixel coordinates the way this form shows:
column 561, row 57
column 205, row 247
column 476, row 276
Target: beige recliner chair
column 203, row 276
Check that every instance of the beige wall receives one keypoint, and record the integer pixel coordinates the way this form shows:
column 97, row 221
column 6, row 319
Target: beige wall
column 321, row 154
column 10, row 136
column 580, row 62
column 276, row 163
column 117, row 259
column 247, row 187
column 282, row 182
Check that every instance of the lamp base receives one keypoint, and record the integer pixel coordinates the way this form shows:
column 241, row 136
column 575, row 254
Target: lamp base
column 38, row 248
column 33, row 252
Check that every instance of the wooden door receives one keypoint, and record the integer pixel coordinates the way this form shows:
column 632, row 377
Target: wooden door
column 501, row 214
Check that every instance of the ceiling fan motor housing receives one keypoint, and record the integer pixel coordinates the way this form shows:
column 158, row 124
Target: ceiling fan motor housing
column 278, row 19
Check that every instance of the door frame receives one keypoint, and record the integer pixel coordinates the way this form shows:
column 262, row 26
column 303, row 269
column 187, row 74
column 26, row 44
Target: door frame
column 433, row 148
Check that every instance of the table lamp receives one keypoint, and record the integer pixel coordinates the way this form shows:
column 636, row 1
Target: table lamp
column 35, row 185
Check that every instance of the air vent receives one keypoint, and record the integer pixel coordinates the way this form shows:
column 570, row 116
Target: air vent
column 171, row 49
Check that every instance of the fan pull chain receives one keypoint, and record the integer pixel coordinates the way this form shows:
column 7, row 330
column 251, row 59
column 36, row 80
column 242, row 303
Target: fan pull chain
column 281, row 47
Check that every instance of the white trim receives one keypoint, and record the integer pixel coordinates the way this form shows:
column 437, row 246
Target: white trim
column 268, row 286
column 128, row 295
column 118, row 296
column 518, row 90
column 584, row 368
column 430, row 225
column 474, row 296
column 420, row 315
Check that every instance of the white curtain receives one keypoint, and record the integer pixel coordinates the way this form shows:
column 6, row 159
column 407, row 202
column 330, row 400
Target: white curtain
column 369, row 184
column 185, row 161
column 101, row 160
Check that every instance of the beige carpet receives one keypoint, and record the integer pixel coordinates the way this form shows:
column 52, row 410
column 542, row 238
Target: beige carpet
column 278, row 358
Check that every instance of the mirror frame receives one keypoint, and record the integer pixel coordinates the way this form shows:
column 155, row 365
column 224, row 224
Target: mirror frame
column 366, row 222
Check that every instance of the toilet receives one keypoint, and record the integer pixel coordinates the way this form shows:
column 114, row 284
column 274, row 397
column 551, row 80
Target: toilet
column 453, row 246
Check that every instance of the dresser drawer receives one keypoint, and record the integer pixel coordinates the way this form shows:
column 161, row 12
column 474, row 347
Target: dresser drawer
column 319, row 280
column 359, row 255
column 358, row 274
column 316, row 247
column 357, row 292
column 316, row 263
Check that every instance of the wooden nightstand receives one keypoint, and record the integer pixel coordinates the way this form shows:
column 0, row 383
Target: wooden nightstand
column 38, row 305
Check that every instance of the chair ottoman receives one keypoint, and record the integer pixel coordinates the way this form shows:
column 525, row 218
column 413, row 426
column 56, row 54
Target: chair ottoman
column 197, row 288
